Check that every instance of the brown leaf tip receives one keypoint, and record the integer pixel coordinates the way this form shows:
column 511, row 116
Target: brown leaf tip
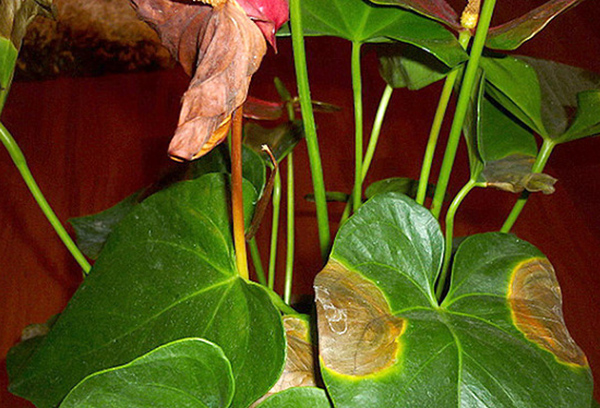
column 358, row 335
column 536, row 307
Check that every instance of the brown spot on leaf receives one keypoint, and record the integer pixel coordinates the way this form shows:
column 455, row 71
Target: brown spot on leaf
column 221, row 47
column 513, row 173
column 536, row 305
column 357, row 332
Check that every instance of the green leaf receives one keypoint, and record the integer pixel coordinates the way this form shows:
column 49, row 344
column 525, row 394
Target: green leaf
column 8, row 59
column 587, row 120
column 511, row 35
column 93, row 230
column 561, row 86
column 15, row 16
column 514, row 84
column 472, row 125
column 402, row 185
column 281, row 139
column 184, row 373
column 360, row 21
column 403, row 65
column 300, row 397
column 595, row 404
column 167, row 272
column 438, row 10
column 497, row 340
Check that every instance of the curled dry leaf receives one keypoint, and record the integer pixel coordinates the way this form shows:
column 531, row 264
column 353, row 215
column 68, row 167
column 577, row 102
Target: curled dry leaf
column 15, row 16
column 221, row 48
column 513, row 174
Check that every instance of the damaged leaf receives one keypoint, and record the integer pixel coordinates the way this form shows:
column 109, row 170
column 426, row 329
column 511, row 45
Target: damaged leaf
column 513, row 174
column 15, row 16
column 221, row 48
column 384, row 339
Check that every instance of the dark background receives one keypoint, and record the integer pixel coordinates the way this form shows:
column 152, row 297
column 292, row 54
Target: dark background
column 90, row 142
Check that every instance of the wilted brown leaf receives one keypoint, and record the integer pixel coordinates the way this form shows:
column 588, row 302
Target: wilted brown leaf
column 513, row 174
column 221, row 48
column 15, row 16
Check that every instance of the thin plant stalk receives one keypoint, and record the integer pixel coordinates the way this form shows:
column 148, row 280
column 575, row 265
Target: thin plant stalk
column 237, row 196
column 274, row 231
column 358, row 126
column 19, row 160
column 373, row 139
column 537, row 167
column 289, row 259
column 450, row 233
column 462, row 105
column 310, row 129
column 257, row 262
column 463, row 38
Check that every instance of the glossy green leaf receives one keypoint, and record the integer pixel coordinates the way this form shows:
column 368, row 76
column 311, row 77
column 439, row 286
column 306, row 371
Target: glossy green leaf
column 93, row 230
column 8, row 59
column 281, row 139
column 167, row 272
column 300, row 397
column 15, row 16
column 190, row 373
column 406, row 66
column 514, row 84
column 511, row 35
column 361, row 21
column 472, row 125
column 438, row 10
column 497, row 340
column 402, row 185
column 561, row 86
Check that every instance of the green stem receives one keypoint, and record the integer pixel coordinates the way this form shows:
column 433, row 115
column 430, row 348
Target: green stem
column 289, row 260
column 280, row 304
column 373, row 139
column 358, row 126
column 537, row 167
column 463, row 38
column 309, row 126
column 257, row 262
column 17, row 156
column 274, row 230
column 462, row 105
column 450, row 234
column 376, row 131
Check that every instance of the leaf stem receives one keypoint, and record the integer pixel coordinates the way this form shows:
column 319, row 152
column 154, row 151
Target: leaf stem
column 373, row 139
column 280, row 304
column 257, row 262
column 538, row 167
column 274, row 230
column 441, row 284
column 19, row 160
column 468, row 84
column 358, row 125
column 463, row 38
column 289, row 260
column 310, row 130
column 237, row 195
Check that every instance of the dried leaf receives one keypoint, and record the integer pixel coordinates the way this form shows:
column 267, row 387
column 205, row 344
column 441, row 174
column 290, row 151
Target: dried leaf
column 221, row 47
column 513, row 174
column 536, row 308
column 15, row 16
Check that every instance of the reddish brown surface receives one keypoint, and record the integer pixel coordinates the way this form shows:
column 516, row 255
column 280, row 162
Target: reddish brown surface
column 90, row 142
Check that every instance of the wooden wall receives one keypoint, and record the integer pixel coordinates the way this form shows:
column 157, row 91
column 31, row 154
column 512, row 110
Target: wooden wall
column 92, row 141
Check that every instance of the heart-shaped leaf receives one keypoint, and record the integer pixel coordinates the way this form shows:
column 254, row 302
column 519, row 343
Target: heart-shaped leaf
column 511, row 35
column 360, row 21
column 498, row 339
column 304, row 397
column 402, row 185
column 438, row 10
column 167, row 272
column 515, row 85
column 403, row 65
column 190, row 373
column 561, row 86
column 93, row 230
column 281, row 139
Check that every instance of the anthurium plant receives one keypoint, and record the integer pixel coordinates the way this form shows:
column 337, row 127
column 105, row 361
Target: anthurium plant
column 168, row 316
